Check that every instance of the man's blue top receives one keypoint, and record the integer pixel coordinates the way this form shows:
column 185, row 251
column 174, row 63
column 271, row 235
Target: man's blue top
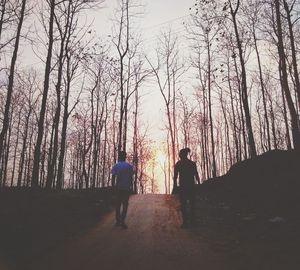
column 123, row 172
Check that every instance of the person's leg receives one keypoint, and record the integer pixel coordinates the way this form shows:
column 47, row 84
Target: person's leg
column 125, row 199
column 118, row 208
column 192, row 209
column 183, row 204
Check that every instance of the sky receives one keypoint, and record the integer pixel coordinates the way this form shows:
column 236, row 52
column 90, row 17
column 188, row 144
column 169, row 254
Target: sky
column 158, row 15
column 157, row 12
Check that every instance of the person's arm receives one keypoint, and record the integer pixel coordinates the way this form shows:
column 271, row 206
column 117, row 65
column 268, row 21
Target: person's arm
column 113, row 180
column 175, row 175
column 131, row 178
column 197, row 175
column 114, row 176
column 175, row 187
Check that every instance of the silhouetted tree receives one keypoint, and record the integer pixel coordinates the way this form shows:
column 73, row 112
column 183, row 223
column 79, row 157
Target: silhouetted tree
column 10, row 86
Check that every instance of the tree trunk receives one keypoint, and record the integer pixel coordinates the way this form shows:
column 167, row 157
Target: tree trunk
column 59, row 183
column 285, row 115
column 262, row 91
column 214, row 166
column 234, row 128
column 3, row 10
column 244, row 90
column 37, row 150
column 293, row 50
column 10, row 86
column 54, row 153
column 241, row 115
column 284, row 80
column 122, row 56
column 16, row 147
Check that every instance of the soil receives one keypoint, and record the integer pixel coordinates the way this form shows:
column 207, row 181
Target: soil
column 33, row 223
column 154, row 240
column 246, row 219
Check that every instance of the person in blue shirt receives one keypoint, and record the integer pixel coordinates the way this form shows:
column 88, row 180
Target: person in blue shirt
column 187, row 171
column 122, row 174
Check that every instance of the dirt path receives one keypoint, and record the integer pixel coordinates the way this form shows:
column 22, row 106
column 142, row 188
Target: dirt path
column 153, row 240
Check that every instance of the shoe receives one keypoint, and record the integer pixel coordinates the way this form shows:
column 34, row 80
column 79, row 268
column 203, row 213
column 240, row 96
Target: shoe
column 124, row 226
column 117, row 224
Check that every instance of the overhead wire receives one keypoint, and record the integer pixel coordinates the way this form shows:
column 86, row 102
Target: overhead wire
column 155, row 38
column 166, row 22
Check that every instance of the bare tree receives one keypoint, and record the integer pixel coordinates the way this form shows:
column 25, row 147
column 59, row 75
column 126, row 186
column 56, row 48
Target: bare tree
column 284, row 78
column 244, row 89
column 204, row 31
column 11, row 77
column 167, row 72
column 37, row 150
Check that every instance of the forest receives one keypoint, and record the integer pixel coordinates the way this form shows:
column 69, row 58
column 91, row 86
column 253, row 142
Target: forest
column 232, row 92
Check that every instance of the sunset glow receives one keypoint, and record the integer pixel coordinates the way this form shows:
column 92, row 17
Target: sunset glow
column 161, row 159
column 161, row 171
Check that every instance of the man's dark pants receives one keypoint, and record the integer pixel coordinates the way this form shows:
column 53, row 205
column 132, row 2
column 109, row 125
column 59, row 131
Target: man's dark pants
column 187, row 196
column 122, row 198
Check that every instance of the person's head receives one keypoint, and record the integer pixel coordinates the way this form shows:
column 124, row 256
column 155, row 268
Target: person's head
column 122, row 156
column 183, row 153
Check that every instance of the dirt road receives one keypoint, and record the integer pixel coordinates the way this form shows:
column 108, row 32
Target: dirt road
column 153, row 240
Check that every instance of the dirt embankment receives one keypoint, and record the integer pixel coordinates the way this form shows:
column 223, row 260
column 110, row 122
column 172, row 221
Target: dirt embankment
column 33, row 223
column 267, row 183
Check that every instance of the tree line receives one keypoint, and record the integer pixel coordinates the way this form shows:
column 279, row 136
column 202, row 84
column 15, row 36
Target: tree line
column 64, row 120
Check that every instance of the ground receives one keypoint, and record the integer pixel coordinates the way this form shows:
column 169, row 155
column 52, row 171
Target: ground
column 247, row 219
column 154, row 240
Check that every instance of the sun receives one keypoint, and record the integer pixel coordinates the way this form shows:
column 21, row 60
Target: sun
column 161, row 159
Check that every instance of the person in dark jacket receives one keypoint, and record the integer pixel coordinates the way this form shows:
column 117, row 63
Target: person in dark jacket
column 187, row 171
